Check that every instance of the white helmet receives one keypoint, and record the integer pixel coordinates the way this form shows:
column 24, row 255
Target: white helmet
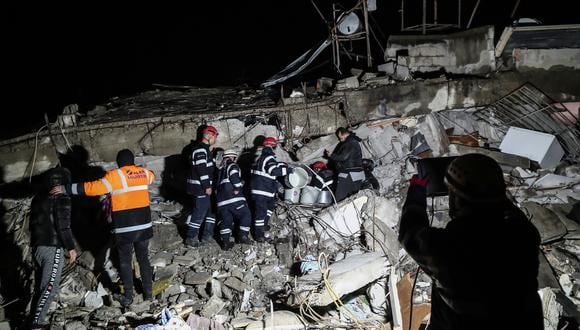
column 230, row 153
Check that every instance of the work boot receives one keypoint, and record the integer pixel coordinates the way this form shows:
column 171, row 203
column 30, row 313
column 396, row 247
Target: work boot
column 192, row 242
column 227, row 245
column 244, row 239
column 125, row 301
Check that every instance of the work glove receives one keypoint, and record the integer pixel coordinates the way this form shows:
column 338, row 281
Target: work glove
column 416, row 181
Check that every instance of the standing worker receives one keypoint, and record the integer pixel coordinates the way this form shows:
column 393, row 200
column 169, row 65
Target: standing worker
column 129, row 188
column 264, row 186
column 487, row 239
column 347, row 162
column 231, row 201
column 199, row 184
column 51, row 237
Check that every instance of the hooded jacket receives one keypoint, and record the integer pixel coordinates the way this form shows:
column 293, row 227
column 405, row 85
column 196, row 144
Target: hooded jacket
column 484, row 265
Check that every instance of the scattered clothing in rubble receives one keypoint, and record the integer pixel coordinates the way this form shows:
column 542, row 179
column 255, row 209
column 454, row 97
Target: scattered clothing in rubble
column 51, row 237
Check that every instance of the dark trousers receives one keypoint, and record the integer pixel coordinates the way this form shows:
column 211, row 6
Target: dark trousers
column 264, row 207
column 50, row 260
column 201, row 211
column 125, row 251
column 345, row 186
column 230, row 212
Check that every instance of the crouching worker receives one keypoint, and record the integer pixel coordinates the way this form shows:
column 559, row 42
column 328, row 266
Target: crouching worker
column 231, row 201
column 487, row 239
column 129, row 188
column 51, row 238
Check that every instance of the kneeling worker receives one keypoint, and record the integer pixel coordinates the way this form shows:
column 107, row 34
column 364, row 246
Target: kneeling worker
column 231, row 201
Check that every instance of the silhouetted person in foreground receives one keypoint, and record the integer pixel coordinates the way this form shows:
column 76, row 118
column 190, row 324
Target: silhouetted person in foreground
column 484, row 264
column 52, row 239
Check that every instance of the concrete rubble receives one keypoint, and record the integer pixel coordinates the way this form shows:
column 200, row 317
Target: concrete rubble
column 328, row 266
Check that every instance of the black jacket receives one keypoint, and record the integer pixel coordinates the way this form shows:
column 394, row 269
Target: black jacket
column 202, row 170
column 50, row 221
column 347, row 155
column 484, row 266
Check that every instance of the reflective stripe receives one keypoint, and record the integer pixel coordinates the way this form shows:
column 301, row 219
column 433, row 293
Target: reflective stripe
column 343, row 175
column 74, row 189
column 209, row 164
column 231, row 200
column 201, row 161
column 241, row 207
column 242, row 228
column 237, row 185
column 263, row 193
column 123, row 178
column 264, row 174
column 204, row 177
column 107, row 184
column 357, row 176
column 225, row 231
column 225, row 181
column 128, row 189
column 132, row 228
column 193, row 181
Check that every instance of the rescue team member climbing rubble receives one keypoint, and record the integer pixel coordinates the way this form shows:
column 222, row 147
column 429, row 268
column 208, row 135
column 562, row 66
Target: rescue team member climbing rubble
column 128, row 185
column 484, row 263
column 231, row 201
column 264, row 186
column 346, row 159
column 51, row 237
column 199, row 184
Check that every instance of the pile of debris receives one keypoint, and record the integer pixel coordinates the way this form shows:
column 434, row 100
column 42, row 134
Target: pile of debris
column 336, row 266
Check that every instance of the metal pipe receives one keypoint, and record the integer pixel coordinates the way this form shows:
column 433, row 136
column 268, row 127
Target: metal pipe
column 473, row 14
column 459, row 14
column 435, row 11
column 424, row 16
column 366, row 13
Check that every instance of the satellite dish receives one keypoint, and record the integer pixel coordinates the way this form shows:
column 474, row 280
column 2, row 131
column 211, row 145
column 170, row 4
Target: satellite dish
column 349, row 24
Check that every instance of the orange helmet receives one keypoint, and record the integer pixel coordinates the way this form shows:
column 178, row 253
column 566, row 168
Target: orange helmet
column 210, row 130
column 319, row 165
column 270, row 142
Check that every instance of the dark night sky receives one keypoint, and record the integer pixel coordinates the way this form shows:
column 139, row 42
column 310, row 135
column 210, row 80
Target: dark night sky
column 55, row 56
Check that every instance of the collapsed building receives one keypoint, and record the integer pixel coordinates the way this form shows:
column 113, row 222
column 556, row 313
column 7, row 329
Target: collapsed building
column 330, row 266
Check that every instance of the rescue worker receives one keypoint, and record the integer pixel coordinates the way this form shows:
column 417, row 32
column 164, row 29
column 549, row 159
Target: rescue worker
column 132, row 228
column 231, row 201
column 324, row 177
column 200, row 185
column 346, row 159
column 264, row 186
column 471, row 261
column 51, row 238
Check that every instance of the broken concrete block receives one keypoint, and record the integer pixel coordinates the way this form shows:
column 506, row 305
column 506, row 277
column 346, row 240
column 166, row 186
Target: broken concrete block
column 197, row 278
column 74, row 325
column 551, row 307
column 186, row 261
column 213, row 306
column 341, row 221
column 546, row 221
column 161, row 259
column 551, row 181
column 324, row 85
column 540, row 147
column 377, row 295
column 279, row 320
column 368, row 75
column 203, row 323
column 388, row 68
column 347, row 83
column 235, row 284
column 349, row 275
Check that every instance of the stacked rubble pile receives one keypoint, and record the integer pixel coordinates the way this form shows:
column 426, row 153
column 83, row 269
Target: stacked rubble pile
column 338, row 266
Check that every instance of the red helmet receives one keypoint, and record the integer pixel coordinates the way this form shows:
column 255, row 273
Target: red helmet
column 319, row 165
column 270, row 142
column 210, row 130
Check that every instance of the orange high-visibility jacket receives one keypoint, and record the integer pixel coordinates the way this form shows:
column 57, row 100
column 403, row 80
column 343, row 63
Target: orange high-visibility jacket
column 127, row 185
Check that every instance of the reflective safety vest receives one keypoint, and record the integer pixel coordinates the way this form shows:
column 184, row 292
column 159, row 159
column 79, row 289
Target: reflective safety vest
column 128, row 186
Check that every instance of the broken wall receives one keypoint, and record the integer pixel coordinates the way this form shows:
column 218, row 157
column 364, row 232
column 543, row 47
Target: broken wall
column 466, row 52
